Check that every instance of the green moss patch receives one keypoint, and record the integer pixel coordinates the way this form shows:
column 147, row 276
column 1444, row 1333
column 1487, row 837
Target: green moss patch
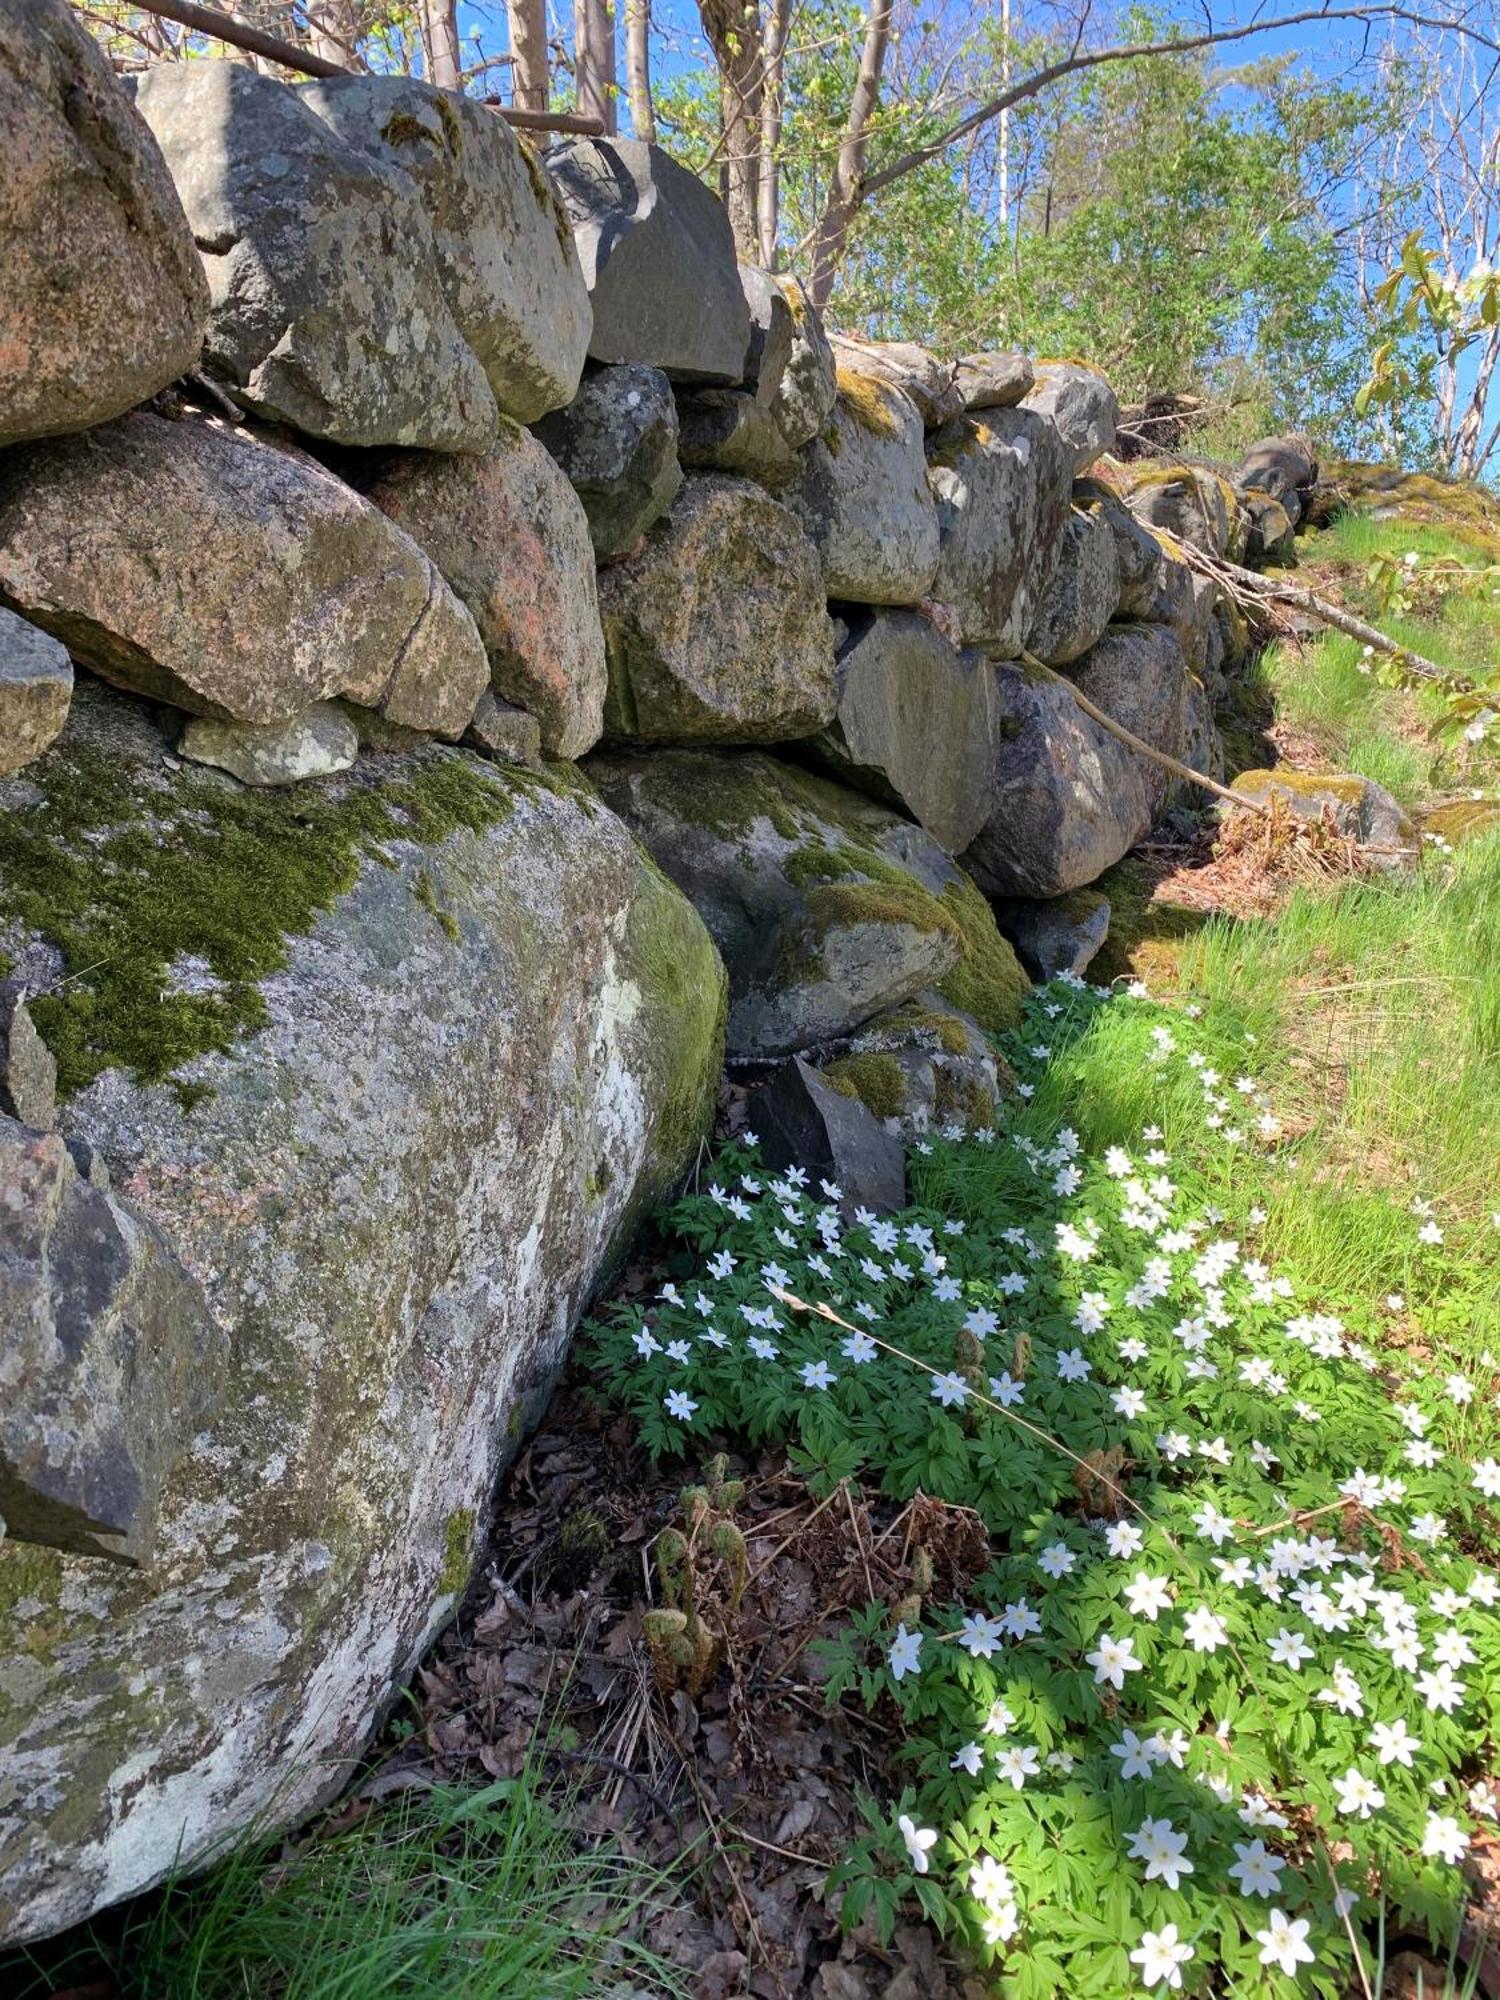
column 877, row 1080
column 988, row 982
column 133, row 874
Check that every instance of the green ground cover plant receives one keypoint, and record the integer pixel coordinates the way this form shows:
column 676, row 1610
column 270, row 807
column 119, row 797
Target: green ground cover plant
column 1220, row 1714
column 449, row 1893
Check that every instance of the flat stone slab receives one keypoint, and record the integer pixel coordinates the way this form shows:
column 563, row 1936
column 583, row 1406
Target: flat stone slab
column 657, row 255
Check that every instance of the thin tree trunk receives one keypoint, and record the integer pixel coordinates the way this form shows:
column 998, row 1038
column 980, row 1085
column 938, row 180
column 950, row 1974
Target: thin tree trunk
column 638, row 69
column 440, row 42
column 529, row 75
column 848, row 175
column 773, row 84
column 734, row 34
column 594, row 60
column 333, row 32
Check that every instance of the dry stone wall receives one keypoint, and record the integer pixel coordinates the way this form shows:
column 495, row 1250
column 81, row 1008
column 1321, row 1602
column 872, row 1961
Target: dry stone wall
column 466, row 646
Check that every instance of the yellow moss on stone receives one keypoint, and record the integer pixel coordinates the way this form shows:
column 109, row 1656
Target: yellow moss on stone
column 867, row 402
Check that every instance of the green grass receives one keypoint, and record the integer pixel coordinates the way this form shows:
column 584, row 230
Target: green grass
column 1326, row 691
column 448, row 1894
column 1377, row 1006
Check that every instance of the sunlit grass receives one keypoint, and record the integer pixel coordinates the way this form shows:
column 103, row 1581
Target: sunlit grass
column 1377, row 1006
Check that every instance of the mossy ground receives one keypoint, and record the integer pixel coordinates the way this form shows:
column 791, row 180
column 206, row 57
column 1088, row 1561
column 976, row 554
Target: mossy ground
column 170, row 898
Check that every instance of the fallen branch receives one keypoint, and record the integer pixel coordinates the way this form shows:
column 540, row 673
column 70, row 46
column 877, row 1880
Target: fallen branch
column 1263, row 589
column 1134, row 742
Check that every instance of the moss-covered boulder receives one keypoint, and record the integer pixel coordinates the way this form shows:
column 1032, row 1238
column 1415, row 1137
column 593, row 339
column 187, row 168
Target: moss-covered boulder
column 827, row 908
column 930, row 383
column 1355, row 808
column 1461, row 820
column 923, row 1067
column 390, row 1063
column 808, row 388
column 1194, row 504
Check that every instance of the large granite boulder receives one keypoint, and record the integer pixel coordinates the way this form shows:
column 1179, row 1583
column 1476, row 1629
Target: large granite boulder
column 511, row 537
column 111, row 1361
column 617, row 442
column 716, row 628
column 1084, row 592
column 1355, row 808
column 504, row 252
column 1067, row 799
column 993, row 381
column 925, row 380
column 328, row 306
column 864, row 500
column 917, row 726
column 196, row 564
column 422, row 1120
column 103, row 300
column 36, row 686
column 1002, row 483
column 827, row 908
column 658, row 258
column 1082, row 405
column 808, row 388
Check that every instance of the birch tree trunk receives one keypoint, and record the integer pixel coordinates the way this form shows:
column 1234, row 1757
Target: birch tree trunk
column 773, row 74
column 529, row 76
column 638, row 69
column 440, row 43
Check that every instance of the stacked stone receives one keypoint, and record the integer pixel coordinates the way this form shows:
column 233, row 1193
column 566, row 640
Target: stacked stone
column 373, row 470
